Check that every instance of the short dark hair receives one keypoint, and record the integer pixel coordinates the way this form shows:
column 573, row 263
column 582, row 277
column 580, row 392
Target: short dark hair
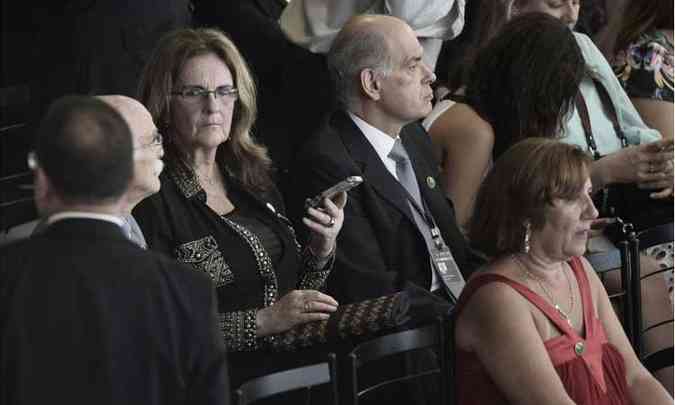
column 522, row 186
column 84, row 147
column 525, row 81
column 356, row 47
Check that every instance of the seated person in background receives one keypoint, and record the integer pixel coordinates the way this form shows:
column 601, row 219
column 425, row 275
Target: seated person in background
column 311, row 27
column 88, row 317
column 483, row 20
column 620, row 163
column 468, row 143
column 148, row 151
column 536, row 326
column 535, row 60
column 218, row 209
column 643, row 61
column 398, row 221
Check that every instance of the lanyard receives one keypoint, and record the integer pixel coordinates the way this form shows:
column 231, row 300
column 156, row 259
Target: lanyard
column 428, row 219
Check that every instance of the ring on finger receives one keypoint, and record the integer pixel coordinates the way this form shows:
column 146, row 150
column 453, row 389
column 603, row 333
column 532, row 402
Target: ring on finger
column 651, row 167
column 307, row 307
column 331, row 222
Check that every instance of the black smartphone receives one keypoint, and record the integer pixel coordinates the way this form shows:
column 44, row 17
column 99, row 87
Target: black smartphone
column 345, row 185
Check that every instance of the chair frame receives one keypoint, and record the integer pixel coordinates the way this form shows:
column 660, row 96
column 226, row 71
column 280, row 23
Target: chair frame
column 289, row 380
column 428, row 336
column 641, row 241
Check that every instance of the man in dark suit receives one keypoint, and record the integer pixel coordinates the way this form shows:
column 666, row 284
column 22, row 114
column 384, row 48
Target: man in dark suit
column 86, row 316
column 398, row 226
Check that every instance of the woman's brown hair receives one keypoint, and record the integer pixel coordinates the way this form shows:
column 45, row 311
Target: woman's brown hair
column 520, row 188
column 241, row 155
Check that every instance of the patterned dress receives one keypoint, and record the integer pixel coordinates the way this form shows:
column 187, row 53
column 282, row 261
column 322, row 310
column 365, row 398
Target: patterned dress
column 645, row 70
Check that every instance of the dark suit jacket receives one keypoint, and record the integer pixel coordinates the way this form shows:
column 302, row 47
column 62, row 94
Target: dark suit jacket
column 88, row 317
column 379, row 247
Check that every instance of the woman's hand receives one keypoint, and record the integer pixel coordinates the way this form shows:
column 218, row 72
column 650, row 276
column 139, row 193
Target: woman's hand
column 325, row 224
column 296, row 307
column 650, row 166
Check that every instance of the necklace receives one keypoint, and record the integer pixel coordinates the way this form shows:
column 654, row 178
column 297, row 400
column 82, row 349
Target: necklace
column 540, row 282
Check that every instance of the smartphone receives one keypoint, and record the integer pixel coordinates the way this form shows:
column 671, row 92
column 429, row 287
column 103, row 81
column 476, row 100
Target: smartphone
column 345, row 185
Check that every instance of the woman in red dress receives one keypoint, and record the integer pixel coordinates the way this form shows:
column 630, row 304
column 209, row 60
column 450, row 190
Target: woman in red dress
column 536, row 326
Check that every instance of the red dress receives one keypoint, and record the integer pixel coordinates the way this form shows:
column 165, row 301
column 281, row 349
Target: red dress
column 591, row 369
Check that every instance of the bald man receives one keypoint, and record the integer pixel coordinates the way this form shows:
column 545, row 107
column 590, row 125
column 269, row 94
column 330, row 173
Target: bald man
column 399, row 227
column 147, row 163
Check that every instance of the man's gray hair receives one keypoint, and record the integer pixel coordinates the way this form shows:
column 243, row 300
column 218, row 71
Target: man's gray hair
column 352, row 51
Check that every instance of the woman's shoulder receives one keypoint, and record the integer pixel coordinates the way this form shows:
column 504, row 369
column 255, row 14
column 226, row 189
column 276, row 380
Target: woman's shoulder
column 458, row 122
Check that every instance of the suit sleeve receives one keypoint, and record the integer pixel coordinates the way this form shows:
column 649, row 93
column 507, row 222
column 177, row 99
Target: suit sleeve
column 210, row 383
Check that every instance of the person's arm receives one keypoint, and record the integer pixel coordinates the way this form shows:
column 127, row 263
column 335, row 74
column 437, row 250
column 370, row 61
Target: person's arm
column 467, row 142
column 642, row 386
column 498, row 326
column 649, row 165
column 631, row 123
column 657, row 114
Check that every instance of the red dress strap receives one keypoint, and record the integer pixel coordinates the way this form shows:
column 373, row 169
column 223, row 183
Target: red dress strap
column 481, row 279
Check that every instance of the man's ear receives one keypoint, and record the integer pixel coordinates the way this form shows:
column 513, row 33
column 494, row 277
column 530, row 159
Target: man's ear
column 44, row 191
column 370, row 83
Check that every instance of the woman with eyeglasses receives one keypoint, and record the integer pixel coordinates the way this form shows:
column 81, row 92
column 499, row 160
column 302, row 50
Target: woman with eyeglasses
column 218, row 209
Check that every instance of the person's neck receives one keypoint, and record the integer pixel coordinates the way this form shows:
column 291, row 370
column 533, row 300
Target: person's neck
column 541, row 265
column 203, row 163
column 377, row 119
column 131, row 200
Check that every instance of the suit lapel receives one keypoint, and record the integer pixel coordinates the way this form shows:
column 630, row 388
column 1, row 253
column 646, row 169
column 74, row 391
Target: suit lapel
column 422, row 170
column 374, row 171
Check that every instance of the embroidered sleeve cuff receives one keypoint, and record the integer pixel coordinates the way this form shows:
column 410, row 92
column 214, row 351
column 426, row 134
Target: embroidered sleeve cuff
column 239, row 330
column 316, row 269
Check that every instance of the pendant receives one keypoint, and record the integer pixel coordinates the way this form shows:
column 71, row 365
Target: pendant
column 563, row 315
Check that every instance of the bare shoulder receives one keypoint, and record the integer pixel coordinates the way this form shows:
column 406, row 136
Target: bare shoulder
column 460, row 123
column 492, row 307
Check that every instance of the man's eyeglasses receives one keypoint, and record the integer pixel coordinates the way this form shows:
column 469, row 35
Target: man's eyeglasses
column 156, row 140
column 196, row 93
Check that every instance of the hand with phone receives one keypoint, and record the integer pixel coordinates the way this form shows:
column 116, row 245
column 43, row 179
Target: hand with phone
column 324, row 215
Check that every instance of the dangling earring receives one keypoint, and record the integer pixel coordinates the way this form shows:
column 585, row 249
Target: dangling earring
column 526, row 241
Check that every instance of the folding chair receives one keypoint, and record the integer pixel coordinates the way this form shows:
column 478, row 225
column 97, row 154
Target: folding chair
column 289, row 380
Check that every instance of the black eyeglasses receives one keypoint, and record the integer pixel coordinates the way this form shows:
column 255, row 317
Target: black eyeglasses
column 197, row 93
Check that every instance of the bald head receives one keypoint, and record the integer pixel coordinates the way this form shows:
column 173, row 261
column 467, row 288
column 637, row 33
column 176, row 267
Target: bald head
column 363, row 42
column 147, row 155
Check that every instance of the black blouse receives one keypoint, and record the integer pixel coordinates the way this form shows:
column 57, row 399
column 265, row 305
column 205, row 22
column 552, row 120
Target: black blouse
column 246, row 274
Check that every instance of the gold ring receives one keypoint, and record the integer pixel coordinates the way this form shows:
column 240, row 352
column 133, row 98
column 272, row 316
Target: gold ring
column 307, row 308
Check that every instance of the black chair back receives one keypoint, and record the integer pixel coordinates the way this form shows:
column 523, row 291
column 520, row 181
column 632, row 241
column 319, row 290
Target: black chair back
column 433, row 336
column 289, row 380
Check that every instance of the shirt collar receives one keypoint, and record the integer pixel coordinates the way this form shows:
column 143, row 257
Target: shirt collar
column 82, row 214
column 382, row 143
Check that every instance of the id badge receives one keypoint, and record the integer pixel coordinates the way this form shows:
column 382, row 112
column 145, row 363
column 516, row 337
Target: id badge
column 447, row 270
